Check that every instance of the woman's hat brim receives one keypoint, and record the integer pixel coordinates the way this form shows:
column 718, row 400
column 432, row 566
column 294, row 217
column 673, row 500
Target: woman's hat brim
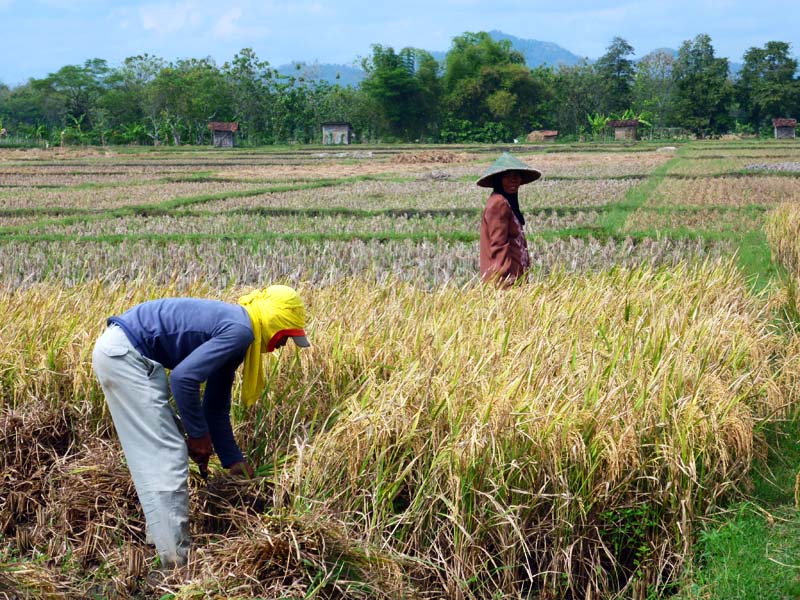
column 528, row 176
column 506, row 162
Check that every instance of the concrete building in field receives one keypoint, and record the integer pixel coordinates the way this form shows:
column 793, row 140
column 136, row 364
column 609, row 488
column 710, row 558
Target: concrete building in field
column 336, row 132
column 784, row 128
column 542, row 135
column 625, row 129
column 222, row 133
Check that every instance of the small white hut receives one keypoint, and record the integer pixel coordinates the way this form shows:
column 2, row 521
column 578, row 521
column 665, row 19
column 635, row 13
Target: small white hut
column 336, row 132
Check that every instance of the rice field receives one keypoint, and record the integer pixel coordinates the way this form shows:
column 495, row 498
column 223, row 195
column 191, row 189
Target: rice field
column 740, row 192
column 441, row 439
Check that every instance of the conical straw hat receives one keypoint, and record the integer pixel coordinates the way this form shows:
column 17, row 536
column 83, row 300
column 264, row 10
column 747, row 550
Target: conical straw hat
column 506, row 162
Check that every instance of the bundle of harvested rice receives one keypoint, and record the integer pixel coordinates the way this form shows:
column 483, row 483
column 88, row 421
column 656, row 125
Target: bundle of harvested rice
column 92, row 505
column 217, row 504
column 291, row 556
column 32, row 439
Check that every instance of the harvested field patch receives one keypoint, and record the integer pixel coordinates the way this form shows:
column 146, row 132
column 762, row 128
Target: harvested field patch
column 596, row 164
column 233, row 224
column 726, row 191
column 702, row 220
column 115, row 197
column 18, row 221
column 68, row 176
column 432, row 156
column 790, row 167
column 722, row 164
column 330, row 170
column 432, row 194
column 750, row 150
column 55, row 153
column 230, row 263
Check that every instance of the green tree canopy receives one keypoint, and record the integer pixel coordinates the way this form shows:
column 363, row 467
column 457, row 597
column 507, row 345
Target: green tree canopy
column 578, row 93
column 69, row 95
column 616, row 74
column 703, row 91
column 485, row 81
column 654, row 87
column 767, row 87
column 392, row 84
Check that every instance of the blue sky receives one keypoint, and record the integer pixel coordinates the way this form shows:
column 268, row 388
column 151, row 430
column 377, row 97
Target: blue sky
column 40, row 36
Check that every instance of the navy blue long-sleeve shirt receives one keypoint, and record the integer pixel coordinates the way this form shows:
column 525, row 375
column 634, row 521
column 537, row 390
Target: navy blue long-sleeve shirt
column 199, row 341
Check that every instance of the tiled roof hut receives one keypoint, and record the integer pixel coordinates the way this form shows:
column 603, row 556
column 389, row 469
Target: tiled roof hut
column 222, row 133
column 542, row 135
column 784, row 128
column 625, row 129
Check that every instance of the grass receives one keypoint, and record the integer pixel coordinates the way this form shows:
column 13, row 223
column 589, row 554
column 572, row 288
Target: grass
column 752, row 550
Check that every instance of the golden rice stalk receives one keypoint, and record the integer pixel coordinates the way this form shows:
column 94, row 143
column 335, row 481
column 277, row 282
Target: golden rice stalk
column 562, row 435
column 483, row 421
column 48, row 336
column 783, row 233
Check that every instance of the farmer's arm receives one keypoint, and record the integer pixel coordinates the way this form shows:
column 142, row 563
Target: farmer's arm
column 206, row 360
column 217, row 410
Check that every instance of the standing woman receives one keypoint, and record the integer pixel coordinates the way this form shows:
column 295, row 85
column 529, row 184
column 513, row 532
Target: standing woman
column 504, row 250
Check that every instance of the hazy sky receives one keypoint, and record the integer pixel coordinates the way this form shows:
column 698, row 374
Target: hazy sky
column 40, row 36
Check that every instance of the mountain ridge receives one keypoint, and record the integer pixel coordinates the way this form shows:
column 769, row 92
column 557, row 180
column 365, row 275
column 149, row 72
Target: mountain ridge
column 536, row 53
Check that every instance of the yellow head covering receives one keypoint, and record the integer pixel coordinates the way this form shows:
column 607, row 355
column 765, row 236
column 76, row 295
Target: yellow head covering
column 275, row 312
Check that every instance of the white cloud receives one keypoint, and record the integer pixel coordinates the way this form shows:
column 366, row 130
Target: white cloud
column 226, row 25
column 171, row 17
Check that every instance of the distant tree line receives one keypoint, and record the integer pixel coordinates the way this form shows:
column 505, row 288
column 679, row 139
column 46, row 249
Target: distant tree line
column 482, row 92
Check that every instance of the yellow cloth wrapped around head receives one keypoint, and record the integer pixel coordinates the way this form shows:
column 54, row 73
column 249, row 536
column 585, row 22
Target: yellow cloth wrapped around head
column 276, row 313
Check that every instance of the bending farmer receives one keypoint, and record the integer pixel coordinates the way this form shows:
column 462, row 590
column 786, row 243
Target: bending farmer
column 200, row 341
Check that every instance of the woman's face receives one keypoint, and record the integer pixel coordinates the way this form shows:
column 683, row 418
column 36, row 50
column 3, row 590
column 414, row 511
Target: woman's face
column 511, row 180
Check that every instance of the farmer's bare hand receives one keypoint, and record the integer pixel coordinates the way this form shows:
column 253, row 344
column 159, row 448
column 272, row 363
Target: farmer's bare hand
column 241, row 469
column 200, row 449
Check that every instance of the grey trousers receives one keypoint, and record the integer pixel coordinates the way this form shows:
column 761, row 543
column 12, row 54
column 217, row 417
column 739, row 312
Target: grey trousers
column 138, row 399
